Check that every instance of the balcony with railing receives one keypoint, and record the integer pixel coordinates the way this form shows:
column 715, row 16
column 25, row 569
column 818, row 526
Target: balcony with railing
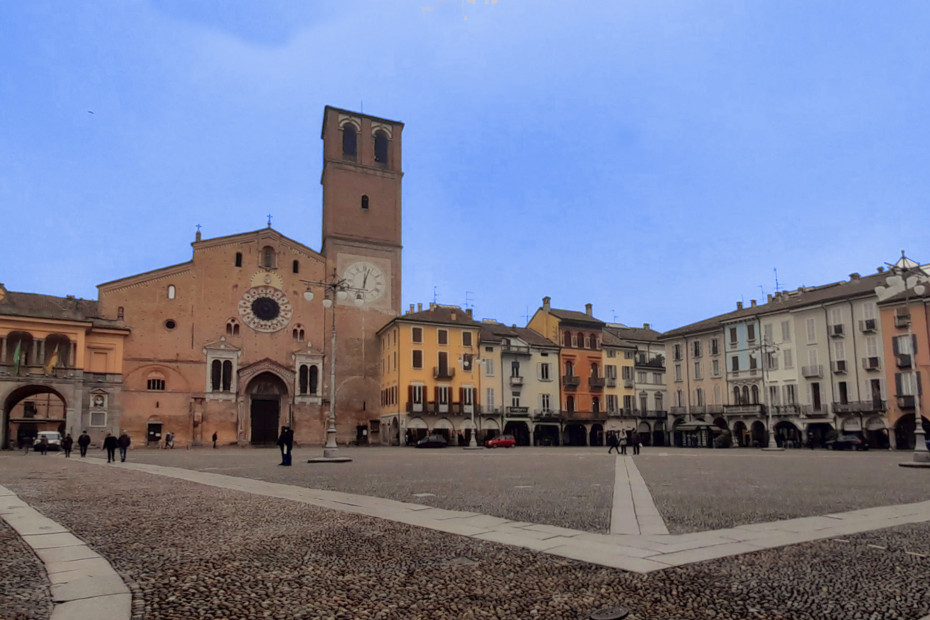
column 415, row 407
column 545, row 414
column 596, row 383
column 903, row 360
column 487, row 410
column 518, row 411
column 814, row 370
column 906, row 401
column 742, row 409
column 610, row 381
column 714, row 409
column 516, row 380
column 810, row 411
column 442, row 372
column 571, row 381
column 515, row 349
column 678, row 410
column 902, row 319
column 786, row 409
column 859, row 406
column 642, row 361
column 628, row 382
column 652, row 414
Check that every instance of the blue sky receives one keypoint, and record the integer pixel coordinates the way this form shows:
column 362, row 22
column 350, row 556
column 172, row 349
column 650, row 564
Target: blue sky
column 656, row 159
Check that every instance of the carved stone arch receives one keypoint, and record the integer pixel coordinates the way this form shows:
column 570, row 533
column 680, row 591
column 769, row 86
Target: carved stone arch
column 350, row 120
column 266, row 365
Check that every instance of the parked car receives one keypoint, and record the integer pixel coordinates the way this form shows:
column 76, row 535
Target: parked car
column 433, row 441
column 501, row 441
column 847, row 442
column 54, row 439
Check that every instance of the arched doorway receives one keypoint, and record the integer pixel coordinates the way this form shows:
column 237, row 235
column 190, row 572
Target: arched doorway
column 596, row 435
column 787, row 435
column 645, row 433
column 266, row 394
column 444, row 428
column 576, row 435
column 519, row 430
column 758, row 437
column 817, row 434
column 546, row 435
column 490, row 429
column 876, row 433
column 30, row 409
column 904, row 431
column 741, row 434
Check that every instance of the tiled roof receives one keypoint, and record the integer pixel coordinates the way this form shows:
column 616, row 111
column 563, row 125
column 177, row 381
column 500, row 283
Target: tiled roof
column 493, row 331
column 575, row 317
column 437, row 313
column 788, row 300
column 634, row 334
column 34, row 305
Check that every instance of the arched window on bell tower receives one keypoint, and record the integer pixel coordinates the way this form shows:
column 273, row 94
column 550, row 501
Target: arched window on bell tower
column 381, row 148
column 349, row 141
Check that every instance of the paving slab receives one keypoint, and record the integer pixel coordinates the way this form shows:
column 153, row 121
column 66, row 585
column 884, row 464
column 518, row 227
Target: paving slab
column 98, row 608
column 88, row 586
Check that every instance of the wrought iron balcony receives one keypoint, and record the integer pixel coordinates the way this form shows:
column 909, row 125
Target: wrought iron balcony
column 628, row 383
column 743, row 409
column 546, row 414
column 515, row 349
column 518, row 411
column 810, row 412
column 610, row 381
column 786, row 409
column 515, row 380
column 814, row 370
column 859, row 406
column 571, row 381
column 443, row 373
column 415, row 407
column 596, row 383
column 653, row 414
column 678, row 410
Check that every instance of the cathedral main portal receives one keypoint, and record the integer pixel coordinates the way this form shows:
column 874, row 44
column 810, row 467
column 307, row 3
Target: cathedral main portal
column 266, row 393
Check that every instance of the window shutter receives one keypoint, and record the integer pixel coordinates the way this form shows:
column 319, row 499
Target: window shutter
column 920, row 389
column 897, row 383
column 914, row 346
column 894, row 345
column 409, row 393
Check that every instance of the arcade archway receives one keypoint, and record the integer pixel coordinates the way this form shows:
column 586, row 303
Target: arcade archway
column 30, row 409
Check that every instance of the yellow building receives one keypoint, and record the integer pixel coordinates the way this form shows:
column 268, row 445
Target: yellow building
column 619, row 388
column 60, row 367
column 429, row 378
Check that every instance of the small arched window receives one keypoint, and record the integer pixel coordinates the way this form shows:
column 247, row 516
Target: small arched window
column 295, row 267
column 238, row 259
column 120, row 313
column 365, row 201
column 268, row 257
column 349, row 141
column 155, row 382
column 298, row 332
column 172, row 291
column 745, row 395
column 581, row 343
column 216, row 374
column 303, row 379
column 594, row 370
column 736, row 399
column 232, row 327
column 567, row 339
column 314, row 379
column 227, row 375
column 755, row 395
column 570, row 403
column 381, row 148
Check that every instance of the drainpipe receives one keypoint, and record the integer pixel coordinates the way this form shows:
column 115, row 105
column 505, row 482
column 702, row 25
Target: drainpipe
column 830, row 366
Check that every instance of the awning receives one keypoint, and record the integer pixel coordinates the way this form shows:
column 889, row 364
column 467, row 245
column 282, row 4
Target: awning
column 852, row 425
column 490, row 424
column 444, row 423
column 874, row 424
column 467, row 423
column 696, row 425
column 416, row 423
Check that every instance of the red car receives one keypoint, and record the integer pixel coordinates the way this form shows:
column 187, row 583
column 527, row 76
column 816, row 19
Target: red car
column 501, row 441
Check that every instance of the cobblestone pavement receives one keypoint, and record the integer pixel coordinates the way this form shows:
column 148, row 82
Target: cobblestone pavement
column 24, row 587
column 194, row 551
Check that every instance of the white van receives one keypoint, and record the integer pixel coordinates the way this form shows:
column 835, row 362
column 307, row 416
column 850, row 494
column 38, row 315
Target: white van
column 53, row 437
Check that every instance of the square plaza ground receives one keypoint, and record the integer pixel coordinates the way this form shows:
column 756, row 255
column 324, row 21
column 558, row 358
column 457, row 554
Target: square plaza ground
column 193, row 551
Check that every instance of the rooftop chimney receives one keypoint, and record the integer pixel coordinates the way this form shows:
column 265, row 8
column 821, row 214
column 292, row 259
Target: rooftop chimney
column 770, row 298
column 419, row 307
column 454, row 315
column 432, row 305
column 752, row 302
column 412, row 306
column 587, row 309
column 739, row 305
column 881, row 270
column 546, row 301
column 645, row 325
column 468, row 312
column 853, row 276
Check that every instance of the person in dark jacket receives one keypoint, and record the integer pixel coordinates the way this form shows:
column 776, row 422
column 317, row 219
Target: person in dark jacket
column 66, row 444
column 83, row 442
column 286, row 443
column 28, row 442
column 612, row 443
column 109, row 444
column 123, row 442
column 214, row 440
column 636, row 440
column 43, row 445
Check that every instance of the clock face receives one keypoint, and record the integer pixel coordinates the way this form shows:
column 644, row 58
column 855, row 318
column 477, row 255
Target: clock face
column 265, row 309
column 367, row 278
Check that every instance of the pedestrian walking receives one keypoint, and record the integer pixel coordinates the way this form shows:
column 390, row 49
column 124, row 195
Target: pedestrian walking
column 43, row 445
column 613, row 443
column 637, row 441
column 623, row 442
column 83, row 442
column 109, row 444
column 123, row 442
column 28, row 442
column 169, row 440
column 66, row 444
column 214, row 440
column 286, row 443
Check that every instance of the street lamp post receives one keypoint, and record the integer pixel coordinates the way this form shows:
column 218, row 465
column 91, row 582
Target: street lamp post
column 762, row 351
column 908, row 276
column 334, row 289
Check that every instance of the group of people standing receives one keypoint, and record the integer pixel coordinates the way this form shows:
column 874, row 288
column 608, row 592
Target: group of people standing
column 620, row 440
column 111, row 443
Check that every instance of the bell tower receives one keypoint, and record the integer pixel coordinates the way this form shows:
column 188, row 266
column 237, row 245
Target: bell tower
column 362, row 244
column 362, row 199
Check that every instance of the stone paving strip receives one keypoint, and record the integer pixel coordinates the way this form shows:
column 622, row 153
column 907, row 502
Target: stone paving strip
column 83, row 584
column 639, row 553
column 633, row 511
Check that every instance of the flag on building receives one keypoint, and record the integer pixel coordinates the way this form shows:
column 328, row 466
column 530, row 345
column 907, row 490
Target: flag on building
column 17, row 354
column 52, row 362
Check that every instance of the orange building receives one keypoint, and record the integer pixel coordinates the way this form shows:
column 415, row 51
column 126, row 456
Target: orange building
column 583, row 411
column 60, row 367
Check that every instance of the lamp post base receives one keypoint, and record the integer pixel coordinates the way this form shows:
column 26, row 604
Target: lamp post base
column 328, row 459
column 773, row 445
column 331, row 450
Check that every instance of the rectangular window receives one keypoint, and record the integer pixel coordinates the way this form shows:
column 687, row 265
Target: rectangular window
column 768, row 331
column 626, row 372
column 488, row 367
column 811, row 331
column 628, row 403
column 902, row 345
column 544, row 371
column 773, row 395
column 785, row 331
column 868, row 310
column 750, row 332
column 443, row 336
column 610, row 372
column 468, row 396
column 677, row 352
column 640, row 376
column 611, row 403
column 812, row 357
column 871, row 346
column 466, row 339
column 628, row 355
column 515, row 399
column 442, row 394
column 836, row 316
column 544, row 402
column 515, row 369
column 716, row 367
column 789, row 361
column 416, row 394
column 714, row 346
column 156, row 385
column 734, row 363
column 677, row 372
column 790, row 396
column 611, row 353
column 417, row 334
column 656, row 378
column 753, row 364
column 417, row 358
column 839, row 350
column 489, row 399
column 696, row 347
column 733, row 338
